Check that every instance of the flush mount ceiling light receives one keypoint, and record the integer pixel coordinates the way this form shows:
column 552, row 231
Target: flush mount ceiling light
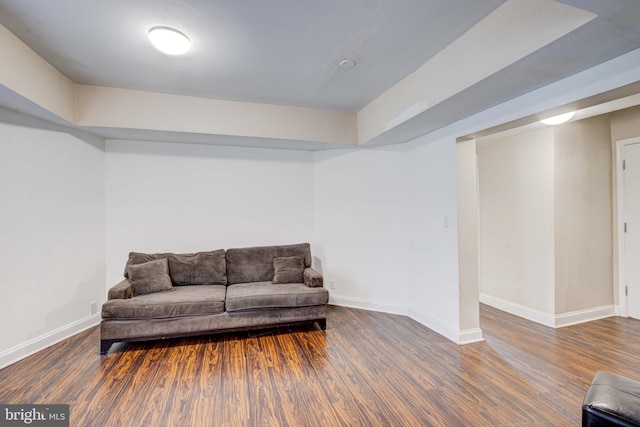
column 169, row 40
column 558, row 120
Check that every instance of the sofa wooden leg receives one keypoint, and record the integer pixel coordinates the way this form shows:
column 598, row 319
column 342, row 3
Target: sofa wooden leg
column 323, row 324
column 105, row 345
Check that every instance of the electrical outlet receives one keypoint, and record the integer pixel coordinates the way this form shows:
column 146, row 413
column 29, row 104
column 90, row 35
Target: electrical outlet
column 332, row 284
column 93, row 307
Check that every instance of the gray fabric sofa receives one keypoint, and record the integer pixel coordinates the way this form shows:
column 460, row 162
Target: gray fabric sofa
column 168, row 295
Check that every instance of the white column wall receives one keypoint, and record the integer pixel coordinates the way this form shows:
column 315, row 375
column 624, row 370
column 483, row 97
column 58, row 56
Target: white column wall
column 52, row 227
column 433, row 237
column 468, row 239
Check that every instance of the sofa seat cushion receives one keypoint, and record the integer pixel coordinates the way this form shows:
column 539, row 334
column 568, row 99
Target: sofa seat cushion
column 179, row 301
column 260, row 295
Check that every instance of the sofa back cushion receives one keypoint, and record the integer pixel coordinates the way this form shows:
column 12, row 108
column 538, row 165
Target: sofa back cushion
column 255, row 264
column 201, row 268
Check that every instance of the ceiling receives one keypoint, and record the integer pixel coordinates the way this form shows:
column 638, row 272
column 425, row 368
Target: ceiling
column 409, row 56
column 275, row 52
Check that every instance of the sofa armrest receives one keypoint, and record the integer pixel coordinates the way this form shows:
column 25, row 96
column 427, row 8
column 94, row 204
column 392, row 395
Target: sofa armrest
column 312, row 278
column 122, row 290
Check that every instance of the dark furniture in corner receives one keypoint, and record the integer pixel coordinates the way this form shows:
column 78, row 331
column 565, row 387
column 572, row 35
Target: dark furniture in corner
column 611, row 400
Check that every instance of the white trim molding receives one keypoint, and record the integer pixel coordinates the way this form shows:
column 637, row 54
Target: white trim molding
column 518, row 310
column 447, row 331
column 587, row 315
column 367, row 304
column 459, row 337
column 34, row 345
column 434, row 324
column 553, row 321
column 469, row 336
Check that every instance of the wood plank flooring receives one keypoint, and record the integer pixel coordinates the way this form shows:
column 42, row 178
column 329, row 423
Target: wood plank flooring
column 367, row 369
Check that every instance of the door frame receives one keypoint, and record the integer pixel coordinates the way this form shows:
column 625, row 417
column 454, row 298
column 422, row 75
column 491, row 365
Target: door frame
column 622, row 307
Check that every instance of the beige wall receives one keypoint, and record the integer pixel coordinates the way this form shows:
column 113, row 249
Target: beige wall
column 582, row 215
column 625, row 124
column 467, row 180
column 516, row 220
column 546, row 217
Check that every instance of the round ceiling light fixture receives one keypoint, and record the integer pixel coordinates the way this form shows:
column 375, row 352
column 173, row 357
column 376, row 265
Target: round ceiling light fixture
column 559, row 119
column 169, row 40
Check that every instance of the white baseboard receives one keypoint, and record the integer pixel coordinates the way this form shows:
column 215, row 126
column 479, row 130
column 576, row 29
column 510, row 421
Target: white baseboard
column 581, row 316
column 553, row 321
column 367, row 305
column 435, row 325
column 32, row 346
column 519, row 310
column 459, row 337
column 469, row 336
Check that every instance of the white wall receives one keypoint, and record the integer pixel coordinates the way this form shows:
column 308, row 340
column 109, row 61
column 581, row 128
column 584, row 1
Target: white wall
column 517, row 220
column 52, row 228
column 360, row 222
column 385, row 226
column 185, row 198
column 433, row 237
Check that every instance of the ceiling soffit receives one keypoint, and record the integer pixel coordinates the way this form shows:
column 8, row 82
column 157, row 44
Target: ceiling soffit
column 453, row 84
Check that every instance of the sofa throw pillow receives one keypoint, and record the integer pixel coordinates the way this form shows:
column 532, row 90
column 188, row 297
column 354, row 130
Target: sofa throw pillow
column 139, row 258
column 288, row 269
column 150, row 277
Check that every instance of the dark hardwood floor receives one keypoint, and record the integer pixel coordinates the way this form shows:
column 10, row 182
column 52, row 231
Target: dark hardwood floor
column 368, row 369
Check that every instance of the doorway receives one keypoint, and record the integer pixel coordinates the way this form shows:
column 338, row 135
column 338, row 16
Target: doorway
column 628, row 198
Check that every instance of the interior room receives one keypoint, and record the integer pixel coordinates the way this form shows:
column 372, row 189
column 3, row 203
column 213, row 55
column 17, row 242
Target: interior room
column 549, row 212
column 470, row 253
